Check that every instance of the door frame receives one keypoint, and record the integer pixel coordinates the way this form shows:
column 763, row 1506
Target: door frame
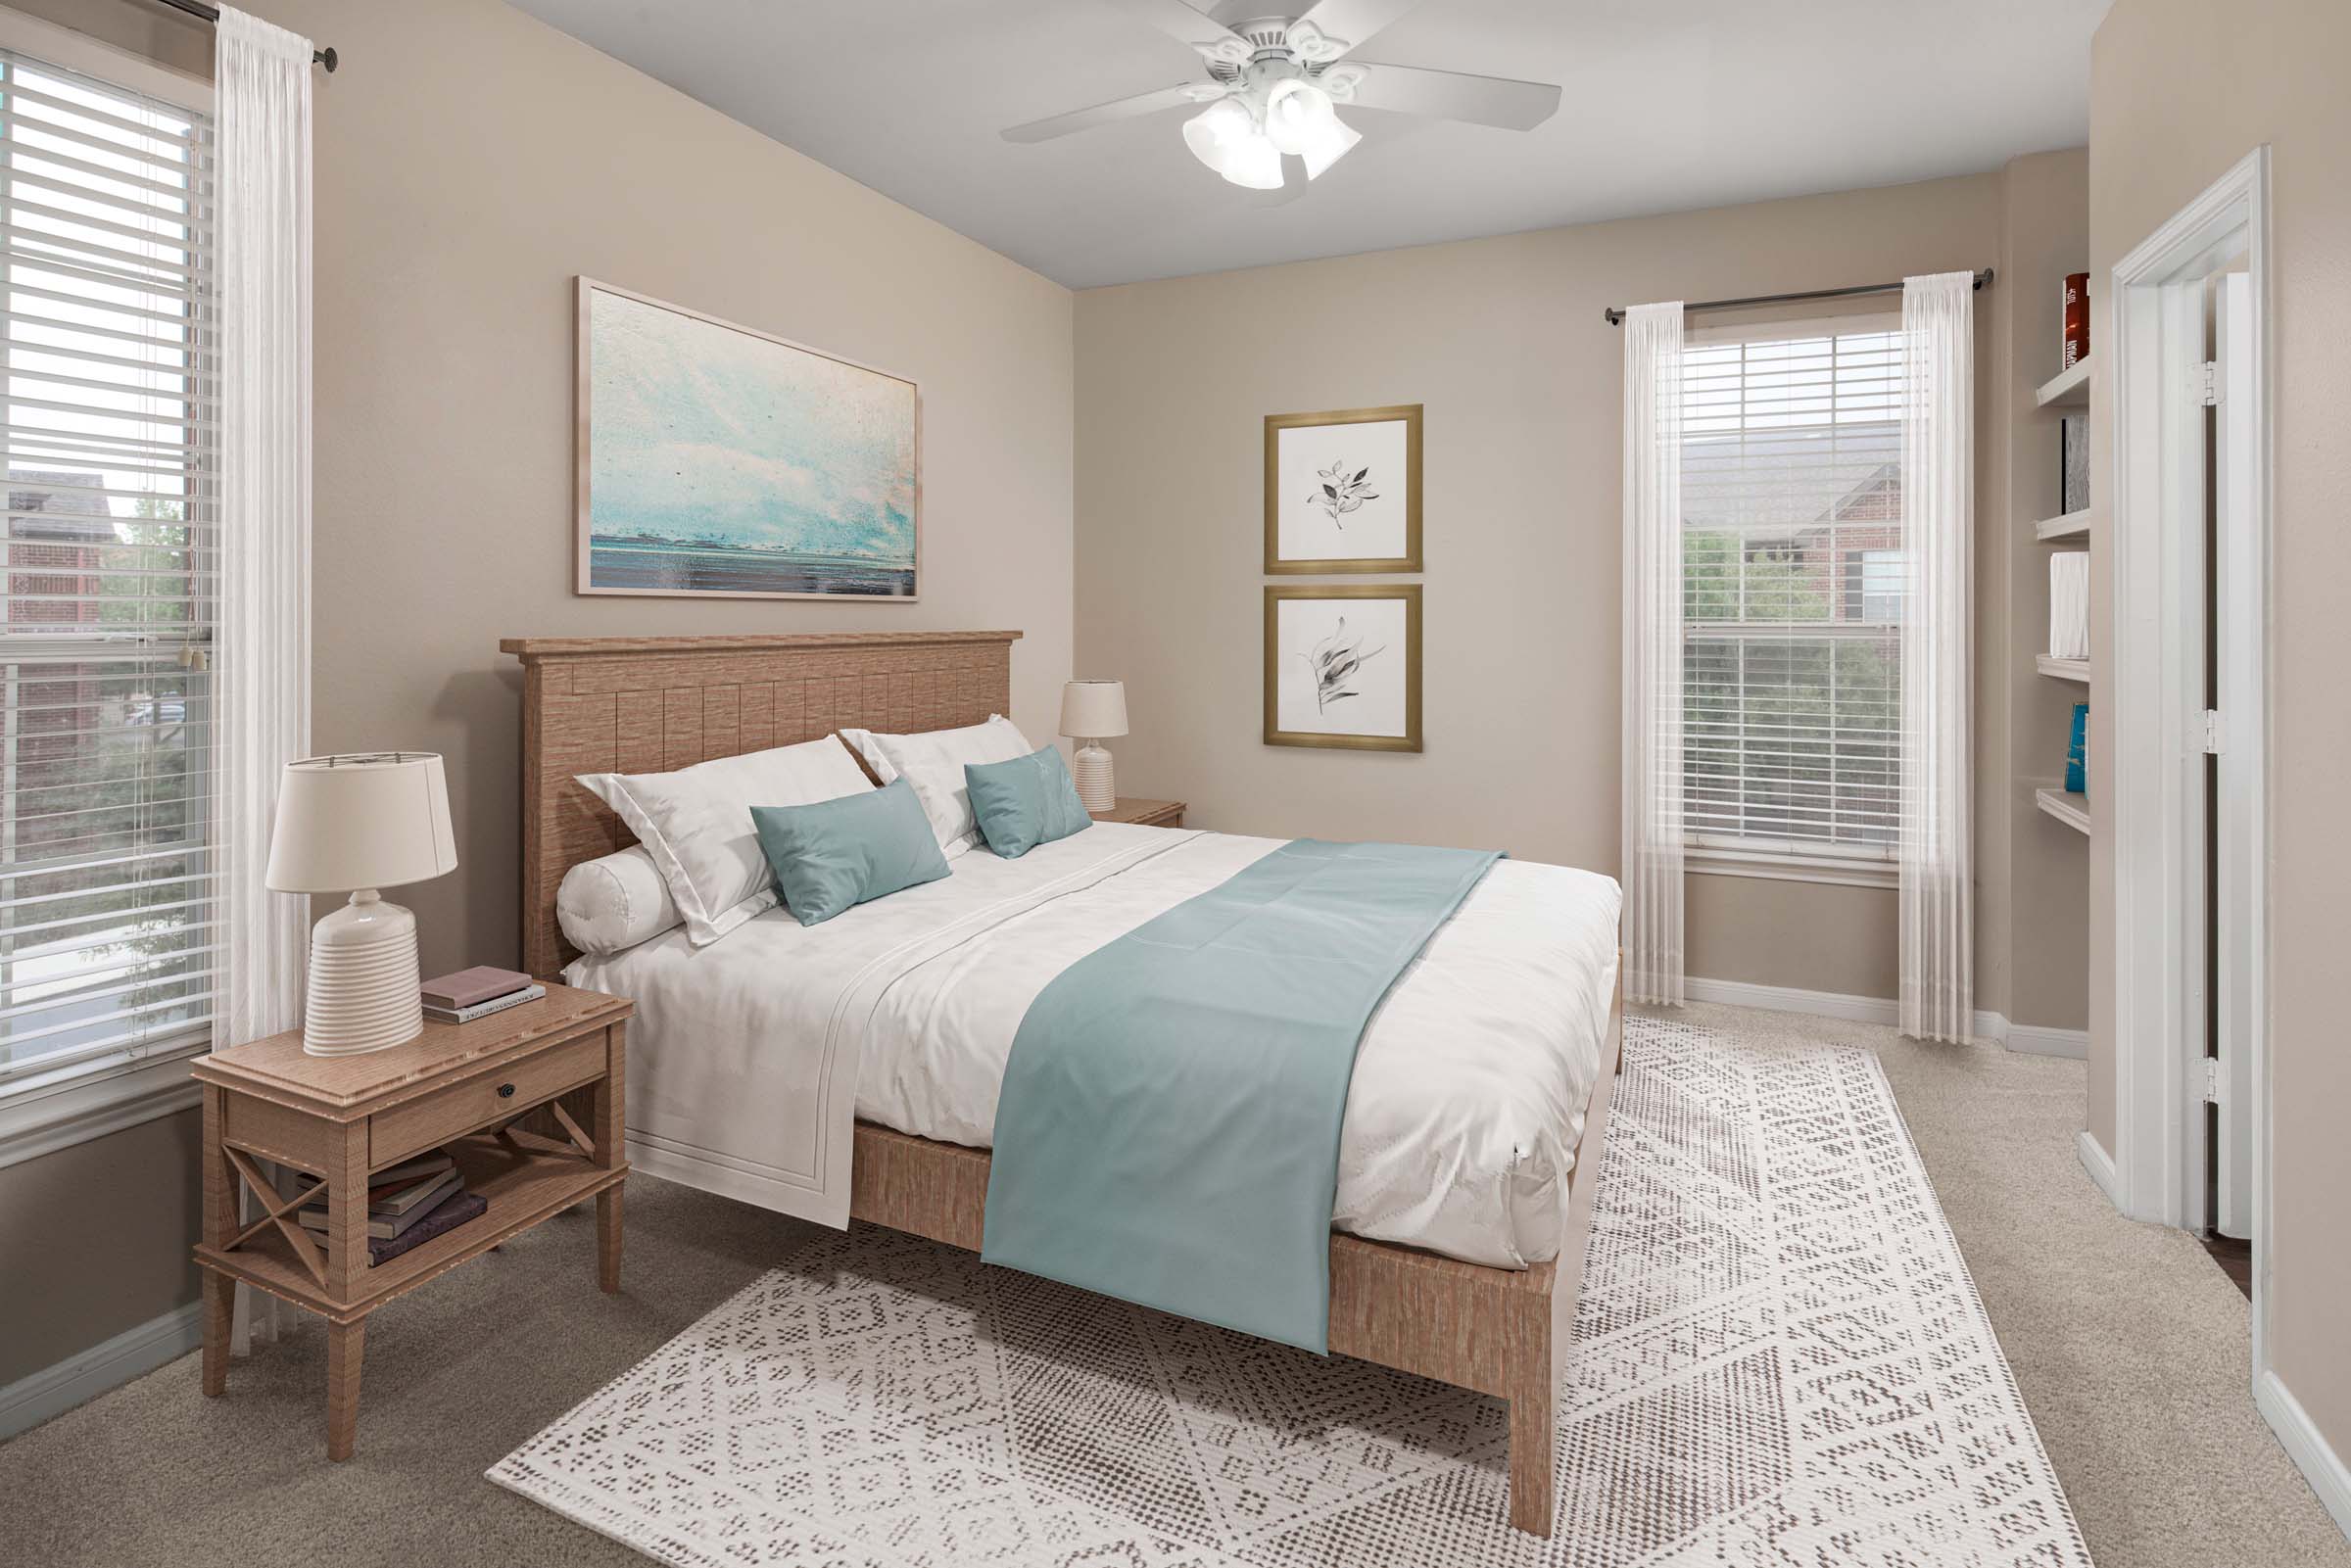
column 2156, row 565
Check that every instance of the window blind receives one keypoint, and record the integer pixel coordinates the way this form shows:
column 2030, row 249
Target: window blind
column 107, row 945
column 1793, row 579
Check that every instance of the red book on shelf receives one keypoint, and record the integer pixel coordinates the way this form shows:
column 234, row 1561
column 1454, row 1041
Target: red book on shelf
column 468, row 986
column 2075, row 347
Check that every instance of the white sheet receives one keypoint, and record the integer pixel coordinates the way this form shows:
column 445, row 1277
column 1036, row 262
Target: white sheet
column 1462, row 1115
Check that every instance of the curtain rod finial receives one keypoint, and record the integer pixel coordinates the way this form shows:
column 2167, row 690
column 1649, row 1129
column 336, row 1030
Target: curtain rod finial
column 327, row 57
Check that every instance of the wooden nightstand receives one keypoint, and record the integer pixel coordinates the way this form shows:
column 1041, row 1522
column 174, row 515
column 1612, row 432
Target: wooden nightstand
column 463, row 1085
column 1143, row 813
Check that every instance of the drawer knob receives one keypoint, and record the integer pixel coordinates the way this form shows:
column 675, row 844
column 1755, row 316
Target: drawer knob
column 506, row 1091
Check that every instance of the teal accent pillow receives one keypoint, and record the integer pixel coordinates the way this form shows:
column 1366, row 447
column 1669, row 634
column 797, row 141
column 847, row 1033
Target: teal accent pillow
column 836, row 853
column 1025, row 802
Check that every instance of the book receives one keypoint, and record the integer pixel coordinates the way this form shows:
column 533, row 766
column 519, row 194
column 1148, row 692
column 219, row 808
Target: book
column 385, row 1221
column 446, row 1215
column 2076, row 753
column 2076, row 318
column 423, row 1165
column 482, row 1010
column 465, row 988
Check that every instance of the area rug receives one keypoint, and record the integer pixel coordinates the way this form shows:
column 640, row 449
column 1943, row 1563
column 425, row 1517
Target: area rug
column 1780, row 1359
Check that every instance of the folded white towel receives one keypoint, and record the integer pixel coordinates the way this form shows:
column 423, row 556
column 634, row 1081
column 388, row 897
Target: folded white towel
column 2068, row 605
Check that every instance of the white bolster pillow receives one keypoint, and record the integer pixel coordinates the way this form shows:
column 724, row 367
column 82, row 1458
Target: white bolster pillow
column 614, row 902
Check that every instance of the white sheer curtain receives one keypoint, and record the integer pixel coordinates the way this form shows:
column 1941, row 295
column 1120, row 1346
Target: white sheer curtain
column 1936, row 854
column 262, row 76
column 1653, row 653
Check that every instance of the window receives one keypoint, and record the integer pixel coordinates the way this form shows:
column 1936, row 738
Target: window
column 107, row 948
column 1793, row 579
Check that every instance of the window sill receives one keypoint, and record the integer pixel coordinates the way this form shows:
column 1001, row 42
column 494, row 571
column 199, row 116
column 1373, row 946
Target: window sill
column 53, row 1110
column 1837, row 870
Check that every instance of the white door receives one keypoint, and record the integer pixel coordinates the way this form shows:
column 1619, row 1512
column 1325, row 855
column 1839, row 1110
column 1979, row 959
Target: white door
column 2236, row 680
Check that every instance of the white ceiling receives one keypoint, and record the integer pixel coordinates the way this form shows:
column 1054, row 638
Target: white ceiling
column 1669, row 104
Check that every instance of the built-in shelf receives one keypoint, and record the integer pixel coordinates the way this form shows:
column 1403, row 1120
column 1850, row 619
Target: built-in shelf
column 2068, row 389
column 2068, row 806
column 2073, row 525
column 2063, row 669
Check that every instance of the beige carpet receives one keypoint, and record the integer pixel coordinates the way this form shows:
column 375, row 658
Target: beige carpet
column 2127, row 1342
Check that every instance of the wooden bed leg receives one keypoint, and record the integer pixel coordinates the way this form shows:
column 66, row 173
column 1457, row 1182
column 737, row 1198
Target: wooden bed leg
column 1532, row 1376
column 1530, row 1465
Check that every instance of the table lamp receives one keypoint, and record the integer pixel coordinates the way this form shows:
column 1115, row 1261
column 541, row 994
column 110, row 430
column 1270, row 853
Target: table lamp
column 354, row 824
column 1090, row 712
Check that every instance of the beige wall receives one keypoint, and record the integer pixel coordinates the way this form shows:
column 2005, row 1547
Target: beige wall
column 1501, row 341
column 2181, row 90
column 469, row 161
column 2034, row 871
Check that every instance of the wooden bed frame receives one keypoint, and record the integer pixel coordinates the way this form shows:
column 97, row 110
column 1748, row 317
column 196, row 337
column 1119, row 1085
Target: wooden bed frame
column 643, row 704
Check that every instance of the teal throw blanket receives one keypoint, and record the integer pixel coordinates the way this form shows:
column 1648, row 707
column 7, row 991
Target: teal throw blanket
column 1169, row 1126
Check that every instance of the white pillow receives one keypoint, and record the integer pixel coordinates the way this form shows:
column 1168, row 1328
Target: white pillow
column 861, row 741
column 614, row 902
column 697, row 824
column 934, row 761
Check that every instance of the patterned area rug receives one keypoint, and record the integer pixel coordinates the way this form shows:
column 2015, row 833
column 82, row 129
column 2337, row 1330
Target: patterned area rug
column 1780, row 1359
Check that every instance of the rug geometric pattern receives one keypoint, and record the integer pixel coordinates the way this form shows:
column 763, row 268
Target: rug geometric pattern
column 1780, row 1360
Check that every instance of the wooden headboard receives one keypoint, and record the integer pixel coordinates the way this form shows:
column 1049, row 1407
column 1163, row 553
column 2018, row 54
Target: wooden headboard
column 648, row 705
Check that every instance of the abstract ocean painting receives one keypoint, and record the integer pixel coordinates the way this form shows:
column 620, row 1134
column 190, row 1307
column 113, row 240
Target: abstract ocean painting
column 723, row 462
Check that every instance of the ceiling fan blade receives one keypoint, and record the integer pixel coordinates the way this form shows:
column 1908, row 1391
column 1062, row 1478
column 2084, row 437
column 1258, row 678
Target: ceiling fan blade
column 1345, row 24
column 1448, row 95
column 1118, row 109
column 1182, row 23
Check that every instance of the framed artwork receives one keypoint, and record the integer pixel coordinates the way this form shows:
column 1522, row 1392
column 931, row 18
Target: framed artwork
column 1343, row 666
column 1343, row 491
column 716, row 462
column 2073, row 450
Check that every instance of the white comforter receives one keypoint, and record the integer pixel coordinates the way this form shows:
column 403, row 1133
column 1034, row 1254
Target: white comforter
column 749, row 1057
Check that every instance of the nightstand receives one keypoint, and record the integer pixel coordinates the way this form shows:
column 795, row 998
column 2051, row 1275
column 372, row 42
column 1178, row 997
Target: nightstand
column 1143, row 813
column 462, row 1086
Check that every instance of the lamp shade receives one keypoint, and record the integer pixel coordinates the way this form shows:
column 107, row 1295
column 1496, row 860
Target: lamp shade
column 370, row 818
column 1094, row 710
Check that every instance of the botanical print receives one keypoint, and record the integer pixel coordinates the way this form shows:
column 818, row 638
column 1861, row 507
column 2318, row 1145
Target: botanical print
column 1340, row 493
column 726, row 464
column 1340, row 666
column 1337, row 660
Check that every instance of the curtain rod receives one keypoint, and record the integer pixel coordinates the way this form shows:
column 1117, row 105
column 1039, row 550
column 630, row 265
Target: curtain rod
column 1614, row 314
column 212, row 14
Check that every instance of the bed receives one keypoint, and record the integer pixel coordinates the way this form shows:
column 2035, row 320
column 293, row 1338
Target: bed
column 849, row 1069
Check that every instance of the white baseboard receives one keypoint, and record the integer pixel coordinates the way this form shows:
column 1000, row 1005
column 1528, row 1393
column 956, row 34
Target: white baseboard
column 2034, row 1041
column 77, row 1379
column 1788, row 999
column 2306, row 1446
column 2030, row 1038
column 2100, row 1166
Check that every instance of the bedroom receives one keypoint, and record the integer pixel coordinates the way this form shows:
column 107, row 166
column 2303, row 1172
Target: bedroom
column 1094, row 348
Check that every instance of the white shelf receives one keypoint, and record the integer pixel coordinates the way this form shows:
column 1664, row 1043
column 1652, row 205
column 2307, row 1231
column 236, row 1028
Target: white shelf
column 2068, row 806
column 2068, row 389
column 2063, row 669
column 2073, row 525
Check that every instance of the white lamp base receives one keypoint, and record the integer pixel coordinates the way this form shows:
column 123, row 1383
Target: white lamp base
column 363, row 980
column 1097, row 791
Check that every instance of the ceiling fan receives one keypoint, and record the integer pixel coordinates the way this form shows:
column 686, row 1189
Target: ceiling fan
column 1275, row 83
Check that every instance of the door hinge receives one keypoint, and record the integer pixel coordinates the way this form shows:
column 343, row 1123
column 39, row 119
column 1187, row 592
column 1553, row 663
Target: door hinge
column 2208, row 1079
column 2204, row 383
column 2211, row 733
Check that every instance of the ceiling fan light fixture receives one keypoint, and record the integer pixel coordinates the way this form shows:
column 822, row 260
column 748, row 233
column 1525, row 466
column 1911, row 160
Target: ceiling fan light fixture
column 1297, row 113
column 1224, row 136
column 1329, row 144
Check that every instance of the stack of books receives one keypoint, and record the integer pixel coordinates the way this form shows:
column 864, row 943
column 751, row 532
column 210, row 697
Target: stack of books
column 407, row 1205
column 477, row 992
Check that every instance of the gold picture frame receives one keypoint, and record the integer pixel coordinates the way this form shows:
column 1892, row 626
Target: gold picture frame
column 1277, row 495
column 1406, row 683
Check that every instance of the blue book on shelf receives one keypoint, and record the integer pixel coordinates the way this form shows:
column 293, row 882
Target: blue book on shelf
column 2076, row 775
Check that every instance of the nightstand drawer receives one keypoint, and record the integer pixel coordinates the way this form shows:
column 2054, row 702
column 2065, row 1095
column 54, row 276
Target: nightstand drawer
column 436, row 1117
